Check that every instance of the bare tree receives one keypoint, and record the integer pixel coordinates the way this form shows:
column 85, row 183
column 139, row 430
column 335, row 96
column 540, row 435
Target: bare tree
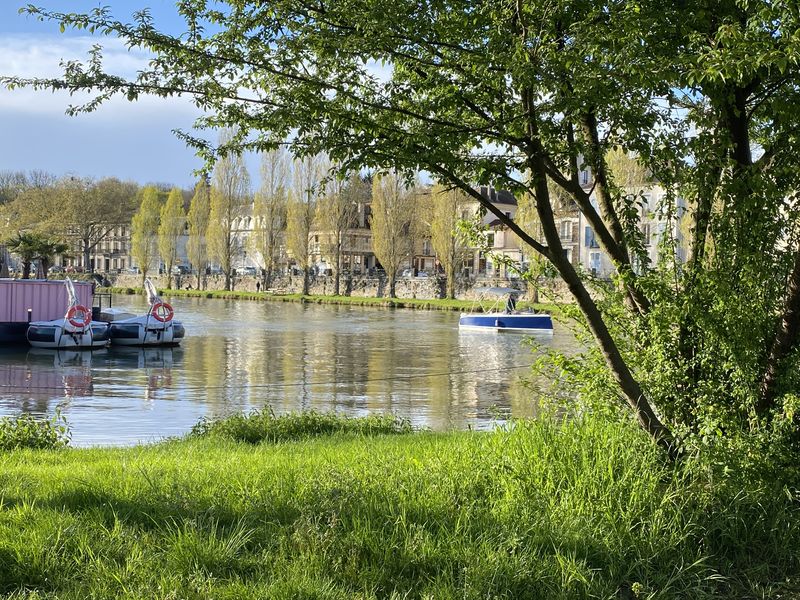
column 307, row 180
column 269, row 211
column 230, row 199
column 338, row 211
column 450, row 246
column 392, row 224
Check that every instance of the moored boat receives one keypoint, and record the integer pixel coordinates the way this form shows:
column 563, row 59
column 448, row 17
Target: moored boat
column 156, row 328
column 509, row 318
column 75, row 330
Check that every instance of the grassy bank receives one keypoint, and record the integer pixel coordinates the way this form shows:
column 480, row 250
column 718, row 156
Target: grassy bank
column 417, row 303
column 311, row 508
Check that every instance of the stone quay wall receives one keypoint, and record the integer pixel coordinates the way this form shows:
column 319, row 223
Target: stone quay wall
column 371, row 287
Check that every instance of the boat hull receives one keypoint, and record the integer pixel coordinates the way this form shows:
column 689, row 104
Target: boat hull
column 524, row 322
column 144, row 331
column 53, row 334
column 13, row 333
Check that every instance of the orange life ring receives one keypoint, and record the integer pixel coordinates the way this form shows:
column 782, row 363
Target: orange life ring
column 168, row 312
column 79, row 316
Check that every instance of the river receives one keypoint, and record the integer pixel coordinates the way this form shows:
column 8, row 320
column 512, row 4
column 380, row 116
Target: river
column 242, row 355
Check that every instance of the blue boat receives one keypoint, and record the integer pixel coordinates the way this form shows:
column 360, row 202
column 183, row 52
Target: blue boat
column 507, row 318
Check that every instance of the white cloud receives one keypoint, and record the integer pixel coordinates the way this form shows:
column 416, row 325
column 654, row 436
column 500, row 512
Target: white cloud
column 40, row 56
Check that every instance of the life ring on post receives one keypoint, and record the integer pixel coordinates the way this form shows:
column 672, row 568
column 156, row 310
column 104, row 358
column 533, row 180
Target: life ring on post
column 162, row 311
column 79, row 316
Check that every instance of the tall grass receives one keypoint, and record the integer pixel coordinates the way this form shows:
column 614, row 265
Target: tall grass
column 27, row 431
column 539, row 510
column 260, row 426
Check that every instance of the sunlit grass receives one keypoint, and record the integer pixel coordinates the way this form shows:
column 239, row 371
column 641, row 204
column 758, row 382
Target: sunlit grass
column 581, row 510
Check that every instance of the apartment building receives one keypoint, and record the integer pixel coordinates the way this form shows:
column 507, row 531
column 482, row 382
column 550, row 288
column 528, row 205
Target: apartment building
column 656, row 224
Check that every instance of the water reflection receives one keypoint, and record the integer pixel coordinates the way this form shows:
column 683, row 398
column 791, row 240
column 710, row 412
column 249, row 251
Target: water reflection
column 241, row 355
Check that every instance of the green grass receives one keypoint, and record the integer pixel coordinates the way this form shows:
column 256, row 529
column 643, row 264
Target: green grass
column 582, row 510
column 414, row 303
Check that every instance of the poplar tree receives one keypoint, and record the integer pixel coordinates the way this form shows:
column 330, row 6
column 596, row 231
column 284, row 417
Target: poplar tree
column 338, row 210
column 170, row 228
column 144, row 231
column 197, row 245
column 269, row 212
column 307, row 180
column 230, row 202
column 449, row 245
column 393, row 215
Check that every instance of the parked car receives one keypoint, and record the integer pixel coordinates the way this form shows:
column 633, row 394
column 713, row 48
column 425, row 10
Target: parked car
column 181, row 270
column 56, row 269
column 407, row 273
column 247, row 271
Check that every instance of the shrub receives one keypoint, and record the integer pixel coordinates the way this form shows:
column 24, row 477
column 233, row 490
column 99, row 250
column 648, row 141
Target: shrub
column 26, row 431
column 265, row 426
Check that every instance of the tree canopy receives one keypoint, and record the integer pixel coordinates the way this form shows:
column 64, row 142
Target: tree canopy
column 526, row 96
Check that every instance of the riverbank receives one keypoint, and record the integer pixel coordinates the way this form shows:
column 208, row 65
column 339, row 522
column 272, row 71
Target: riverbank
column 307, row 510
column 413, row 303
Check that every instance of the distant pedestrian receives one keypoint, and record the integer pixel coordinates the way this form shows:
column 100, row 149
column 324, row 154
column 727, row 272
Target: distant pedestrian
column 511, row 304
column 258, row 286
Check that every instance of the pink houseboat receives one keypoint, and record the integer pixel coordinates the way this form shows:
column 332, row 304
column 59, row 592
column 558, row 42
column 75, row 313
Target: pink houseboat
column 25, row 300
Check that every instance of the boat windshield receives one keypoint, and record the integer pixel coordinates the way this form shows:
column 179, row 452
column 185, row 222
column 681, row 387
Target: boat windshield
column 496, row 299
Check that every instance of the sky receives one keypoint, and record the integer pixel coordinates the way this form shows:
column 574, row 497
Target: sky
column 127, row 140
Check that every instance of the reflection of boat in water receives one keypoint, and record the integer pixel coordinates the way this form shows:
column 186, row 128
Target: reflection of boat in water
column 64, row 358
column 155, row 364
column 74, row 330
column 150, row 357
column 506, row 319
column 156, row 328
column 44, row 374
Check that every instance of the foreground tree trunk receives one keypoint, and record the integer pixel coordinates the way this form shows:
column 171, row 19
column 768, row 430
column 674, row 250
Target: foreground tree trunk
column 629, row 387
column 785, row 339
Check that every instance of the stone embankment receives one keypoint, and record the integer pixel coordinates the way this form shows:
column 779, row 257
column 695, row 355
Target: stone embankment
column 368, row 287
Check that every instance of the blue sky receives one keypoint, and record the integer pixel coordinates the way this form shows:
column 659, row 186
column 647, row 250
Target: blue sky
column 131, row 141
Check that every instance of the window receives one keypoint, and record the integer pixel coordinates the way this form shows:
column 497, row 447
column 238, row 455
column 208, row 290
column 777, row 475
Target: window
column 584, row 177
column 565, row 231
column 508, row 215
column 594, row 263
column 590, row 240
column 490, row 239
column 645, row 228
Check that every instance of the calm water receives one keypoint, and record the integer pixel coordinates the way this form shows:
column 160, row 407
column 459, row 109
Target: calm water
column 242, row 355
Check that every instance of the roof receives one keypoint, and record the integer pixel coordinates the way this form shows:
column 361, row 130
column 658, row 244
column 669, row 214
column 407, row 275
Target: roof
column 496, row 196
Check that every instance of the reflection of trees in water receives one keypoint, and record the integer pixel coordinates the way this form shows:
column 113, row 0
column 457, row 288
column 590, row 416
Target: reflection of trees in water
column 381, row 362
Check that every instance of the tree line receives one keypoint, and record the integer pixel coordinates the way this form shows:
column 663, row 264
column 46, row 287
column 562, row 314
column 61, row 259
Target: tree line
column 303, row 207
